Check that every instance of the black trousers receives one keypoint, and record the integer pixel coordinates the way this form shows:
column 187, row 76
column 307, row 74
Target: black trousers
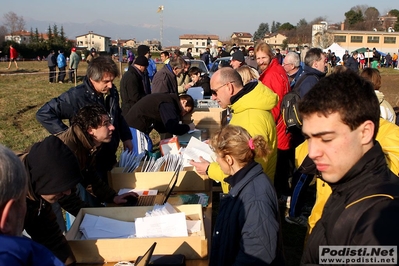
column 51, row 74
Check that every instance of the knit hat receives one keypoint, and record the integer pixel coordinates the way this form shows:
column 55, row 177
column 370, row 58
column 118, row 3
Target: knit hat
column 239, row 56
column 53, row 168
column 73, row 49
column 143, row 49
column 141, row 60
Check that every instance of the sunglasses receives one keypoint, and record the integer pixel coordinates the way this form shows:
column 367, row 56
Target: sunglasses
column 215, row 91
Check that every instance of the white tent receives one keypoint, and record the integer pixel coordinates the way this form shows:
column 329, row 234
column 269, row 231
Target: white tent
column 338, row 50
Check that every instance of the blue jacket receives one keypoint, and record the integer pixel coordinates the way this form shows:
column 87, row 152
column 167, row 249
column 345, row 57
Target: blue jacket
column 61, row 61
column 152, row 68
column 309, row 77
column 247, row 229
column 15, row 250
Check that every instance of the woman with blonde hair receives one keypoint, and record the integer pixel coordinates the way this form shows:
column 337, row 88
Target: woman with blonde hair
column 247, row 229
column 373, row 75
column 248, row 74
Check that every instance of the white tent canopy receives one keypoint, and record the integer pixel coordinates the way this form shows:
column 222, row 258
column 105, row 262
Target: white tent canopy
column 338, row 50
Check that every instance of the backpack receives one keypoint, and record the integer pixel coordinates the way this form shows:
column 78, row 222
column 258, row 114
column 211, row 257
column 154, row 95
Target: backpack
column 289, row 106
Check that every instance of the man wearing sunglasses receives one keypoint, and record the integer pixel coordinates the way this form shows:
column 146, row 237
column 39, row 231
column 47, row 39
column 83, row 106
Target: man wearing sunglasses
column 251, row 109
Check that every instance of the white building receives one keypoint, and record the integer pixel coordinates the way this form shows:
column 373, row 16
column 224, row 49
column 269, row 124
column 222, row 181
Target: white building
column 198, row 42
column 93, row 40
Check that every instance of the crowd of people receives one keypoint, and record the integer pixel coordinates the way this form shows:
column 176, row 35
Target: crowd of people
column 348, row 143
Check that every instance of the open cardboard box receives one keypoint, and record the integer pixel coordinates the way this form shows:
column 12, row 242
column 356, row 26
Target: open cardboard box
column 128, row 249
column 188, row 181
column 213, row 116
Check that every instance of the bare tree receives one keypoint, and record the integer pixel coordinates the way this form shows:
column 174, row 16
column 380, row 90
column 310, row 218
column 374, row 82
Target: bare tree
column 13, row 22
column 3, row 33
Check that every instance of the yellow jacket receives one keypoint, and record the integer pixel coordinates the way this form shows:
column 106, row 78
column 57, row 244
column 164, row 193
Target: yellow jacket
column 252, row 112
column 388, row 137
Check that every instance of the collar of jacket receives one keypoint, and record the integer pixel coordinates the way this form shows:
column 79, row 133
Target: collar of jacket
column 246, row 89
column 237, row 180
column 373, row 161
column 310, row 70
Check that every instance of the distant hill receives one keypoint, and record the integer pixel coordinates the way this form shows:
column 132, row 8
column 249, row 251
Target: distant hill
column 114, row 30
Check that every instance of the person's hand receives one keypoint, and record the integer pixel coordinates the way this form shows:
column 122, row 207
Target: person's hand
column 200, row 166
column 120, row 199
column 128, row 144
column 192, row 126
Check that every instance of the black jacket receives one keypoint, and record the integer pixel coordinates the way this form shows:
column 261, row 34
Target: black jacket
column 363, row 208
column 204, row 82
column 65, row 106
column 247, row 229
column 352, row 64
column 131, row 88
column 159, row 111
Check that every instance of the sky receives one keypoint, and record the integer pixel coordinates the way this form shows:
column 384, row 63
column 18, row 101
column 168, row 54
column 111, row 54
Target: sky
column 218, row 17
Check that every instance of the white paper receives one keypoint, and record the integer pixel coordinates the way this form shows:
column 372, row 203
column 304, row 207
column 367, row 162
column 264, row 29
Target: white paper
column 193, row 226
column 96, row 227
column 196, row 148
column 196, row 92
column 171, row 225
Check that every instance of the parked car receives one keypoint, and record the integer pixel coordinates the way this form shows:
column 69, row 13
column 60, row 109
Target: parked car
column 219, row 63
column 200, row 64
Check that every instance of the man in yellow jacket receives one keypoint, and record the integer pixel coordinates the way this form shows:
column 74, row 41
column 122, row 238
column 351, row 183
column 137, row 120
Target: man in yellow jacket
column 250, row 107
column 388, row 137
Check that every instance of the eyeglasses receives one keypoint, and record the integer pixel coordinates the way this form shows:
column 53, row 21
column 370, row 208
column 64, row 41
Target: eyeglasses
column 215, row 91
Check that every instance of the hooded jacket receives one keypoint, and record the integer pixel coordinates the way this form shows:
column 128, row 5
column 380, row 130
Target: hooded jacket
column 388, row 137
column 275, row 78
column 363, row 208
column 52, row 168
column 65, row 106
column 251, row 109
column 247, row 229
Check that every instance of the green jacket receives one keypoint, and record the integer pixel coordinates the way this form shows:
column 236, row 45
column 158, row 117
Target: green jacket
column 251, row 110
column 74, row 60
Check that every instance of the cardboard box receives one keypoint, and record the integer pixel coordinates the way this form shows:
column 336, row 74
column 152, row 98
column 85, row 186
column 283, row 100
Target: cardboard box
column 209, row 119
column 128, row 249
column 188, row 180
column 215, row 116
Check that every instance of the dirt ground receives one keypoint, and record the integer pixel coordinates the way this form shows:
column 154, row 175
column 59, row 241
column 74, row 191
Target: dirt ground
column 390, row 88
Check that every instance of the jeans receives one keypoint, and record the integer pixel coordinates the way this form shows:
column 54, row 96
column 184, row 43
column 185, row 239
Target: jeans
column 61, row 74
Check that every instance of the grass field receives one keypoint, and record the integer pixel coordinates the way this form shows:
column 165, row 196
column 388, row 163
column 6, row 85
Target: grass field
column 25, row 90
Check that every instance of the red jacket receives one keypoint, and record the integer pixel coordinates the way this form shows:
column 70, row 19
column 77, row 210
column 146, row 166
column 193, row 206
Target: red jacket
column 13, row 53
column 276, row 79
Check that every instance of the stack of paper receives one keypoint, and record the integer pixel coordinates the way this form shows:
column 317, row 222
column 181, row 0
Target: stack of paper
column 196, row 149
column 96, row 227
